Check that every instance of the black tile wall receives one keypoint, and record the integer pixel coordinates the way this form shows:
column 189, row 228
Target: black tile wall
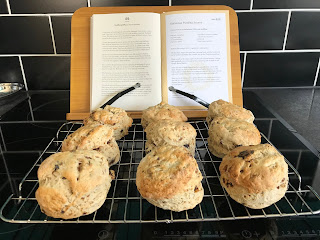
column 258, row 31
column 10, row 70
column 3, row 6
column 62, row 33
column 286, row 4
column 262, row 31
column 235, row 4
column 46, row 6
column 25, row 35
column 104, row 3
column 304, row 31
column 280, row 69
column 47, row 73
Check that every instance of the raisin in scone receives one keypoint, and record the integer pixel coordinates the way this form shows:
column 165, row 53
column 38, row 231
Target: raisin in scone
column 221, row 108
column 94, row 137
column 225, row 134
column 161, row 111
column 72, row 184
column 167, row 132
column 117, row 118
column 168, row 177
column 255, row 176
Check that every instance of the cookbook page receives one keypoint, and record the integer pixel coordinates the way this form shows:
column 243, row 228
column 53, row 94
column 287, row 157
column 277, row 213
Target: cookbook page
column 197, row 56
column 125, row 49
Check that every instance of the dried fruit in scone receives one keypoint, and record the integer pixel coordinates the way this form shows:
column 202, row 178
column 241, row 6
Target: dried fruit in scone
column 115, row 117
column 168, row 132
column 73, row 184
column 225, row 134
column 168, row 177
column 255, row 176
column 94, row 137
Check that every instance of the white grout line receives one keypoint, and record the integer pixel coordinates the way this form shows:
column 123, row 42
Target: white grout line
column 170, row 2
column 264, row 88
column 281, row 10
column 251, row 4
column 317, row 74
column 287, row 30
column 36, row 55
column 89, row 3
column 35, row 14
column 9, row 7
column 23, row 75
column 243, row 68
column 283, row 51
column 70, row 14
column 253, row 51
column 52, row 36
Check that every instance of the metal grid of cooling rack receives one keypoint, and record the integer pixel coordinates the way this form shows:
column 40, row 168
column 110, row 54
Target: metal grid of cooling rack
column 125, row 205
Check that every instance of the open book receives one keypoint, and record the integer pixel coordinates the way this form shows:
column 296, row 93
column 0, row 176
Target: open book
column 189, row 50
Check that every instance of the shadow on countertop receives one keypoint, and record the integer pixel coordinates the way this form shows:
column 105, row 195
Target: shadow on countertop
column 299, row 107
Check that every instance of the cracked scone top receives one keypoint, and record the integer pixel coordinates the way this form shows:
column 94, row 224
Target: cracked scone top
column 161, row 111
column 226, row 134
column 168, row 177
column 221, row 108
column 94, row 137
column 117, row 118
column 72, row 184
column 255, row 176
column 167, row 132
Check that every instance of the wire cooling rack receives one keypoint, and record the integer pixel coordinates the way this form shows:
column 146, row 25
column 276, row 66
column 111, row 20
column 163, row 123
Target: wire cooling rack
column 125, row 205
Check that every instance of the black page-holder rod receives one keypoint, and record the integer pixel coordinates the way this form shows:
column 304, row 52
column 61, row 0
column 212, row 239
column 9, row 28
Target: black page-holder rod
column 188, row 95
column 120, row 94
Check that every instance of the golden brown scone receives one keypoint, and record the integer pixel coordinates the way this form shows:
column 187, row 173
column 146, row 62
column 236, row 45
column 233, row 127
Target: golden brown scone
column 117, row 118
column 160, row 112
column 226, row 134
column 255, row 176
column 94, row 137
column 72, row 184
column 168, row 132
column 221, row 108
column 168, row 177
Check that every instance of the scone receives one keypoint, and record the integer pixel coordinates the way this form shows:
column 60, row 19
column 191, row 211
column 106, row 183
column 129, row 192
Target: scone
column 255, row 176
column 117, row 118
column 168, row 177
column 94, row 137
column 167, row 132
column 221, row 108
column 160, row 112
column 72, row 184
column 225, row 134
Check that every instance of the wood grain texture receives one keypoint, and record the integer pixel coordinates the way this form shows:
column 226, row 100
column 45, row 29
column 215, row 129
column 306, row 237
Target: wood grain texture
column 80, row 55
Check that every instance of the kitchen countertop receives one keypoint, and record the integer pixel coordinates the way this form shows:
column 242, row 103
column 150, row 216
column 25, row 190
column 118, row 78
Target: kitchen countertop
column 28, row 127
column 298, row 107
column 9, row 102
